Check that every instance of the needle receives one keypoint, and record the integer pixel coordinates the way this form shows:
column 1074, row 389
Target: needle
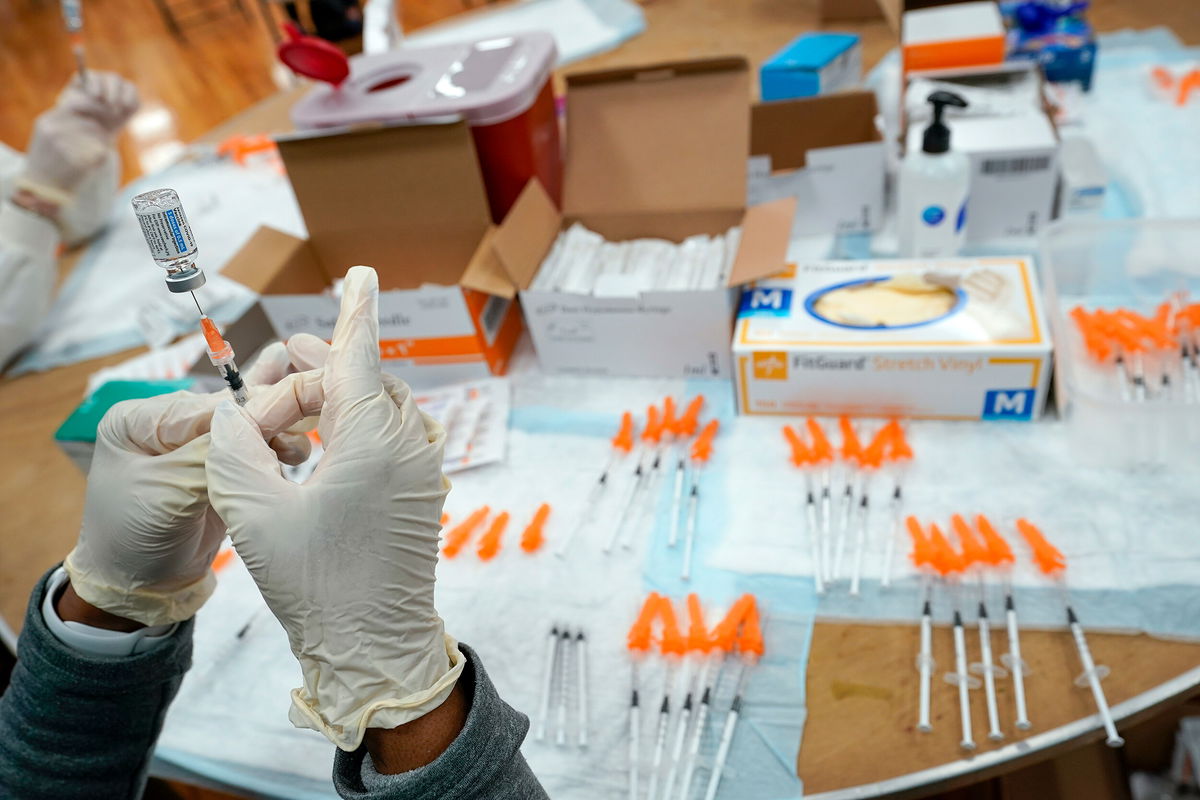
column 1091, row 676
column 547, row 682
column 681, row 727
column 564, row 670
column 685, row 428
column 1014, row 662
column 660, row 737
column 702, row 712
column 859, row 545
column 964, row 681
column 731, row 721
column 925, row 662
column 635, row 746
column 814, row 535
column 197, row 302
column 622, row 443
column 581, row 662
column 987, row 667
column 889, row 546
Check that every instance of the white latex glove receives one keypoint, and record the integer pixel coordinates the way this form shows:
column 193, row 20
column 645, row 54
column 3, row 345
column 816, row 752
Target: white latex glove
column 149, row 536
column 346, row 560
column 75, row 136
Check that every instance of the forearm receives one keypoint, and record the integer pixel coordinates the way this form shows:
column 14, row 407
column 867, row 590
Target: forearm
column 28, row 244
column 469, row 750
column 74, row 725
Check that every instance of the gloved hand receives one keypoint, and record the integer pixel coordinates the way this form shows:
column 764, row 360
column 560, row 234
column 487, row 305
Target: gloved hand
column 74, row 136
column 149, row 535
column 346, row 560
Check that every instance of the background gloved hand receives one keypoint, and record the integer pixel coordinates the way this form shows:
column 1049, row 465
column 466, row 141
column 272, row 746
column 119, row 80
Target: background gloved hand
column 74, row 137
column 149, row 534
column 346, row 560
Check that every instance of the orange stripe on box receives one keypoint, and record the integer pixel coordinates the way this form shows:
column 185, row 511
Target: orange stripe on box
column 501, row 349
column 421, row 348
column 956, row 53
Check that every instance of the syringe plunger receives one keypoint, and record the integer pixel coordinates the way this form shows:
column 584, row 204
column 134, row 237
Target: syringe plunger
column 169, row 237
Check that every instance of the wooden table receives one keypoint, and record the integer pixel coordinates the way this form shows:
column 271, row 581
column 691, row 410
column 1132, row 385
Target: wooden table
column 861, row 679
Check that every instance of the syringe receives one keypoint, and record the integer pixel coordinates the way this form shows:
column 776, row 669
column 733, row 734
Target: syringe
column 173, row 247
column 72, row 11
column 220, row 353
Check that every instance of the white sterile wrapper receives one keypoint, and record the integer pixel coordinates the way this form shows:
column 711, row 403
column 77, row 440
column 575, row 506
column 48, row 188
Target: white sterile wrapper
column 713, row 261
column 541, row 281
column 733, row 239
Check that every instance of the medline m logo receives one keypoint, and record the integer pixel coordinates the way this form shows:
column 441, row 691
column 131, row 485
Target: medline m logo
column 1008, row 404
column 772, row 302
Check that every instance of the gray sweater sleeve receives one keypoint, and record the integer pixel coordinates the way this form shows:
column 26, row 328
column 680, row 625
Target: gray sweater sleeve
column 75, row 725
column 483, row 763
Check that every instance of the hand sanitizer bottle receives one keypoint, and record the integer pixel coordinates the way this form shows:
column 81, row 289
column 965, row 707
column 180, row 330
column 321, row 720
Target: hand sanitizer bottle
column 932, row 208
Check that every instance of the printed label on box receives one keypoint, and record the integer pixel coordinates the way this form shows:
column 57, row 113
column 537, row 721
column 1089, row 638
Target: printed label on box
column 969, row 341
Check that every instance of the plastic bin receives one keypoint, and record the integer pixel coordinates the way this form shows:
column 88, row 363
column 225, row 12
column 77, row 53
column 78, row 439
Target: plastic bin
column 501, row 86
column 1134, row 264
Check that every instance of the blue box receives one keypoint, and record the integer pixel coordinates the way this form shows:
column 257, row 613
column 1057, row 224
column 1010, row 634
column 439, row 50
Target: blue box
column 812, row 64
column 1060, row 40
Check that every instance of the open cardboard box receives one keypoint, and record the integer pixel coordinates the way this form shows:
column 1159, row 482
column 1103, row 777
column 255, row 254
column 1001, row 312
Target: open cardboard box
column 827, row 153
column 409, row 201
column 655, row 151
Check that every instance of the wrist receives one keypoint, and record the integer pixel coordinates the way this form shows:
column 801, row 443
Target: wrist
column 45, row 201
column 73, row 608
column 418, row 743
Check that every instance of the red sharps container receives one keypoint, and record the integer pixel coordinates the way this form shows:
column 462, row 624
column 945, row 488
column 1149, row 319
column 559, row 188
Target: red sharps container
column 501, row 86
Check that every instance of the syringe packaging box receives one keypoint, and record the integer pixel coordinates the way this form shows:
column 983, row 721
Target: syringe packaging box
column 984, row 354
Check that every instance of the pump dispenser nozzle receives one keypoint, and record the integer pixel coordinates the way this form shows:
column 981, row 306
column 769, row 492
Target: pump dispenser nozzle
column 937, row 135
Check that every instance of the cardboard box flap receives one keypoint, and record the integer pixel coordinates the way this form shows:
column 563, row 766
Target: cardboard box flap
column 766, row 230
column 486, row 273
column 666, row 137
column 786, row 130
column 407, row 200
column 526, row 234
column 274, row 262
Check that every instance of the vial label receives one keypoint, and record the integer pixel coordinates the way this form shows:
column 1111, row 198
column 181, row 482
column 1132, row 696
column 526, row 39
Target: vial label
column 167, row 233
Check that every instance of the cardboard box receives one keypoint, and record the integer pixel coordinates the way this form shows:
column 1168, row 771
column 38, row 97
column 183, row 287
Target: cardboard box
column 988, row 358
column 957, row 35
column 655, row 151
column 828, row 154
column 407, row 200
column 812, row 64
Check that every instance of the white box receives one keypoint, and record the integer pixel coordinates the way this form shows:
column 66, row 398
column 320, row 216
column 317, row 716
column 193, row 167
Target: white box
column 659, row 152
column 673, row 333
column 827, row 153
column 953, row 35
column 988, row 358
column 1014, row 172
column 428, row 337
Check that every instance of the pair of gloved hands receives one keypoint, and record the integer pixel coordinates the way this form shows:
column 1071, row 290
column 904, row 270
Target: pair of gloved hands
column 345, row 561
